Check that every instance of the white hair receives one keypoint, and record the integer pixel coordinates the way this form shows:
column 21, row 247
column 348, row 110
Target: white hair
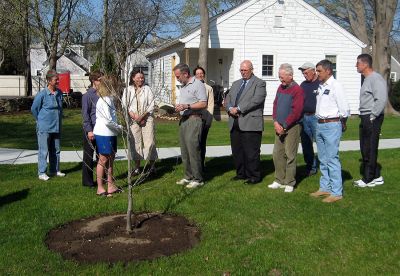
column 288, row 68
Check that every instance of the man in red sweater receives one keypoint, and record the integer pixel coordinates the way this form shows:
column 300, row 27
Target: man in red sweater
column 287, row 112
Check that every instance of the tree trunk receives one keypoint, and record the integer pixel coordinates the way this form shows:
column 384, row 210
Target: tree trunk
column 104, row 36
column 55, row 35
column 26, row 49
column 204, row 21
column 384, row 15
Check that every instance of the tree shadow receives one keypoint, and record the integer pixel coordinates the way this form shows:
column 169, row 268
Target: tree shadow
column 15, row 196
column 163, row 167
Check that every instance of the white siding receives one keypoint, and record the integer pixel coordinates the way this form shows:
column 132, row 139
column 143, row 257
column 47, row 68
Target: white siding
column 303, row 37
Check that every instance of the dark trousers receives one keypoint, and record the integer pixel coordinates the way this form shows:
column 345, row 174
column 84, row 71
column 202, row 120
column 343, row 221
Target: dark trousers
column 203, row 143
column 89, row 148
column 246, row 152
column 369, row 142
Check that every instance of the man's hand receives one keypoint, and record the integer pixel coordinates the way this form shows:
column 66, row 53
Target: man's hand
column 234, row 111
column 278, row 128
column 90, row 136
column 181, row 107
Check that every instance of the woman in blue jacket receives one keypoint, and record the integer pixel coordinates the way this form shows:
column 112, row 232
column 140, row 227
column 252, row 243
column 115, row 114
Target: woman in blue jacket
column 47, row 110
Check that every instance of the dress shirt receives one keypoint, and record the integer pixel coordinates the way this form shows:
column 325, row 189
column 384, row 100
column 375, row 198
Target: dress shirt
column 331, row 100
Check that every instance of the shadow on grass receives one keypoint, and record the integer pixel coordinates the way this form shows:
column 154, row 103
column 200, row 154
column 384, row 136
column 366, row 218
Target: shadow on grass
column 13, row 197
column 217, row 166
column 163, row 167
column 76, row 168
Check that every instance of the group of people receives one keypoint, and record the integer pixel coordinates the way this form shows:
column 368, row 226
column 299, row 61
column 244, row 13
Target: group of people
column 314, row 111
column 100, row 127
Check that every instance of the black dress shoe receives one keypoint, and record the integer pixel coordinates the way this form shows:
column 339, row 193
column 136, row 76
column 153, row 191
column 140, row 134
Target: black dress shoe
column 252, row 181
column 237, row 177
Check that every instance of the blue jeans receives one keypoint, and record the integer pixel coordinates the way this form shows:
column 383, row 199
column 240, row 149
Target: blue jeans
column 308, row 135
column 328, row 139
column 49, row 144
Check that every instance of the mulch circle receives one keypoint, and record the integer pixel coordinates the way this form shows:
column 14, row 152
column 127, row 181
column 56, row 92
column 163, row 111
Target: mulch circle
column 105, row 239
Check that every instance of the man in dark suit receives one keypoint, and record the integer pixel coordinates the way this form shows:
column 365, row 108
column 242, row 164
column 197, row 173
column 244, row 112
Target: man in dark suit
column 245, row 106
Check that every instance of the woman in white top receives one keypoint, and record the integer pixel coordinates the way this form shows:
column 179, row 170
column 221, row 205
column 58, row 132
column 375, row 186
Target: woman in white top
column 138, row 101
column 106, row 130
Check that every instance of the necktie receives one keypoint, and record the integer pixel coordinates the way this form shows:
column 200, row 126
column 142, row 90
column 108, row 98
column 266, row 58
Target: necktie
column 240, row 92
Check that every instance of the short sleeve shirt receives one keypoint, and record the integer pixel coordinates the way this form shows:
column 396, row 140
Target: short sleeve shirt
column 194, row 91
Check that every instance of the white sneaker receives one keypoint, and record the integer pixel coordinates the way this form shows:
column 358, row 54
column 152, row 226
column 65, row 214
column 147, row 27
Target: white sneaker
column 44, row 177
column 361, row 184
column 183, row 181
column 289, row 189
column 378, row 181
column 275, row 185
column 194, row 184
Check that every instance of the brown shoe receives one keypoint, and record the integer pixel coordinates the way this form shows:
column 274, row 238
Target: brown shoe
column 331, row 199
column 319, row 193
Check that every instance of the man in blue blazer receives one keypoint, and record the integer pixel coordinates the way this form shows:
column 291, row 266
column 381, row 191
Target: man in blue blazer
column 245, row 106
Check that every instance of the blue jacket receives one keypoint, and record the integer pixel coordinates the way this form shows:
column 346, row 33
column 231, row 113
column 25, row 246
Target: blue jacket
column 47, row 110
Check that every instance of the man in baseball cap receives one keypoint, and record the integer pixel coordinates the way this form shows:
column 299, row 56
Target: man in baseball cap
column 309, row 122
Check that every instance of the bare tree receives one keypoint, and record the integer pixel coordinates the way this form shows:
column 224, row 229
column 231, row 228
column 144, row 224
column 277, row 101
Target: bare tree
column 372, row 22
column 204, row 33
column 130, row 25
column 53, row 21
column 15, row 37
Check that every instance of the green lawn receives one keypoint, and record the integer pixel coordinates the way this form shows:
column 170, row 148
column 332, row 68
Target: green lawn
column 246, row 230
column 18, row 131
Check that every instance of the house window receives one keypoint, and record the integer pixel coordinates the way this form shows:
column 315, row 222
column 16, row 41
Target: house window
column 393, row 76
column 332, row 58
column 267, row 65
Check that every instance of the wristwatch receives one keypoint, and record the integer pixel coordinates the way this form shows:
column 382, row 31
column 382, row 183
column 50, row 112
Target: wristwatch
column 188, row 106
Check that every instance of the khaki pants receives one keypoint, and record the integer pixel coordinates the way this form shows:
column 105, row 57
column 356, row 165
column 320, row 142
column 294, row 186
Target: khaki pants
column 190, row 134
column 143, row 142
column 285, row 154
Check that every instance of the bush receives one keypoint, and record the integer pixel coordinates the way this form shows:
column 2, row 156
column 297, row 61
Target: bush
column 394, row 95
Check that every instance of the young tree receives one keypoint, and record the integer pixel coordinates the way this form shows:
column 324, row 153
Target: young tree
column 369, row 20
column 130, row 25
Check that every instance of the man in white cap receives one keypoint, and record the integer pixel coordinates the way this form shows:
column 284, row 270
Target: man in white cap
column 309, row 121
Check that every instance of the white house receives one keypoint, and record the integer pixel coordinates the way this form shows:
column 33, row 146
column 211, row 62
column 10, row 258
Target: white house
column 269, row 33
column 138, row 61
column 72, row 60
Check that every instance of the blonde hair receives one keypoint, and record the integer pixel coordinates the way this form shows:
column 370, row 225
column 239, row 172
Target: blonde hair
column 108, row 86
